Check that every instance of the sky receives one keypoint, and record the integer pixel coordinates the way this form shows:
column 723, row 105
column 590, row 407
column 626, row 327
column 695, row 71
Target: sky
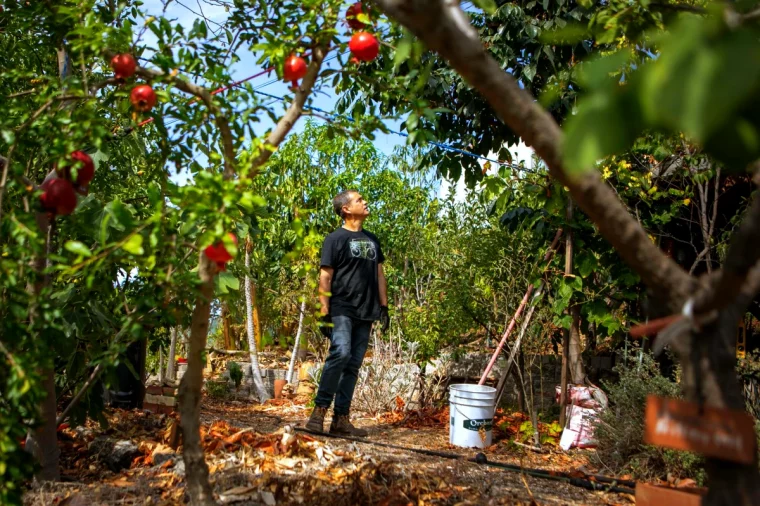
column 187, row 11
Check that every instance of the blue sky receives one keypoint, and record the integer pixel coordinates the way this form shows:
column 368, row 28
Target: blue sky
column 187, row 11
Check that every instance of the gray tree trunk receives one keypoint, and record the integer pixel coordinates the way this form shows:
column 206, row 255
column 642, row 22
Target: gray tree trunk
column 258, row 383
column 297, row 343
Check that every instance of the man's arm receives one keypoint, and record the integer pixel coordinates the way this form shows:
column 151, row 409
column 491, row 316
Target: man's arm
column 382, row 285
column 325, row 285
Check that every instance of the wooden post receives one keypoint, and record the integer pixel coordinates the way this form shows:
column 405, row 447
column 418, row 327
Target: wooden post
column 566, row 333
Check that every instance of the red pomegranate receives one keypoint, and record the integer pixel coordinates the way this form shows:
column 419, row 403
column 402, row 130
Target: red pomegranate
column 294, row 69
column 123, row 66
column 84, row 166
column 58, row 196
column 218, row 253
column 352, row 16
column 364, row 46
column 143, row 98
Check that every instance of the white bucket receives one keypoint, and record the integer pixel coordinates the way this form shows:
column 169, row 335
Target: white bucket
column 471, row 415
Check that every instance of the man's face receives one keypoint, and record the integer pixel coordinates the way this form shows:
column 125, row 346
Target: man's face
column 357, row 206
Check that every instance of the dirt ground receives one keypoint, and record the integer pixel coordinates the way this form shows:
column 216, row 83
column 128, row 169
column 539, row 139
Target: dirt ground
column 256, row 457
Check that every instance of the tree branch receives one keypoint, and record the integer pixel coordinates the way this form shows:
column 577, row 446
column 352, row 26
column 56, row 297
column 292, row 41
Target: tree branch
column 228, row 146
column 294, row 112
column 742, row 257
column 445, row 28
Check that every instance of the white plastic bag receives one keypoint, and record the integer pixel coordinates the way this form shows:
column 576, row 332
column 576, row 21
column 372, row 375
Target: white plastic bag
column 579, row 430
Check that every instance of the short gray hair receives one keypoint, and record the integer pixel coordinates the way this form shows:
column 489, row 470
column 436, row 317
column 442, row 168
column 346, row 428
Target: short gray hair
column 340, row 200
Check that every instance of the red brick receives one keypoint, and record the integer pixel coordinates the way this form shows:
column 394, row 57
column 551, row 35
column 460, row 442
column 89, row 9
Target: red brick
column 154, row 390
column 153, row 408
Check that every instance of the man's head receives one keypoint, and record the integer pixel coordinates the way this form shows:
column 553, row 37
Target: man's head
column 350, row 204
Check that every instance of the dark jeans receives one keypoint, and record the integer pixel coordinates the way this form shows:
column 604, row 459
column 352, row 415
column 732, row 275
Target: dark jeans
column 348, row 345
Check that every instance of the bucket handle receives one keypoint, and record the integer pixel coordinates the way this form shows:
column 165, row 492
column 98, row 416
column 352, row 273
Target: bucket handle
column 481, row 434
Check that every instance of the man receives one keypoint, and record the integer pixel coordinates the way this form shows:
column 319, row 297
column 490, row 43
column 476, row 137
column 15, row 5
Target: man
column 352, row 293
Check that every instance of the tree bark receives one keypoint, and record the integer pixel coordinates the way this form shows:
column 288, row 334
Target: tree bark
column 253, row 311
column 576, row 372
column 161, row 366
column 563, row 378
column 250, row 316
column 226, row 327
column 43, row 441
column 196, row 470
column 296, row 345
column 171, row 363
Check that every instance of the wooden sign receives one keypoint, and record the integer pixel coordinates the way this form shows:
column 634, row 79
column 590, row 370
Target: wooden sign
column 721, row 433
column 652, row 495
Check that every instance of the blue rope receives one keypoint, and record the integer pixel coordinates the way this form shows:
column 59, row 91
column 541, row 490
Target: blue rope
column 402, row 134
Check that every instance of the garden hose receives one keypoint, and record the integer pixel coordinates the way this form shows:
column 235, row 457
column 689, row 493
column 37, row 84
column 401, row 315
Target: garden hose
column 592, row 482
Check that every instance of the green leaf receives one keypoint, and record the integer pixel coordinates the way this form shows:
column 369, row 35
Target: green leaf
column 530, row 71
column 607, row 122
column 598, row 72
column 488, row 6
column 134, row 245
column 78, row 248
column 403, row 50
column 411, row 122
column 226, row 282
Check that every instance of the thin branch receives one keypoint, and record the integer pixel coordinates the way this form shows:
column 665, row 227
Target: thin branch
column 79, row 394
column 203, row 94
column 294, row 112
column 743, row 254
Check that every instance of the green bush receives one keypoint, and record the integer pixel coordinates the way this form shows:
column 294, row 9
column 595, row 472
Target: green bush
column 620, row 429
column 218, row 389
column 236, row 373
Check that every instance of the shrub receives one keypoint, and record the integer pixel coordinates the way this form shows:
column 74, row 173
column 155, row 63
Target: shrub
column 217, row 389
column 620, row 429
column 236, row 373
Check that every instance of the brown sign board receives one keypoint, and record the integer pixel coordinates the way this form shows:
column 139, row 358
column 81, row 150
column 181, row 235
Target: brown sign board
column 652, row 495
column 721, row 433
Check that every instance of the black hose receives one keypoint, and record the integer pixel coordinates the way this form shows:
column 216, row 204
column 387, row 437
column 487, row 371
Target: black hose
column 597, row 482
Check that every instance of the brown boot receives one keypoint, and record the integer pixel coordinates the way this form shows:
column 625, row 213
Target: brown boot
column 341, row 425
column 316, row 421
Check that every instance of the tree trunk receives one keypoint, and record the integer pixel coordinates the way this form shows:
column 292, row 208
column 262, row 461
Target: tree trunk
column 171, row 363
column 711, row 379
column 43, row 442
column 563, row 378
column 196, row 470
column 161, row 366
column 250, row 319
column 254, row 310
column 226, row 327
column 292, row 366
column 576, row 371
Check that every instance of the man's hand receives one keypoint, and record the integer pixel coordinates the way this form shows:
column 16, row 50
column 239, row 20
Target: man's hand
column 385, row 319
column 325, row 325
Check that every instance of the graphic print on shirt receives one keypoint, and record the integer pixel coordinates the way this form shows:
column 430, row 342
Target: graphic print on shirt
column 362, row 248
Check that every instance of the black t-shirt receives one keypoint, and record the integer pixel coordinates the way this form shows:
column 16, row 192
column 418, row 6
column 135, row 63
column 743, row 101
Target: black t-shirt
column 354, row 256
